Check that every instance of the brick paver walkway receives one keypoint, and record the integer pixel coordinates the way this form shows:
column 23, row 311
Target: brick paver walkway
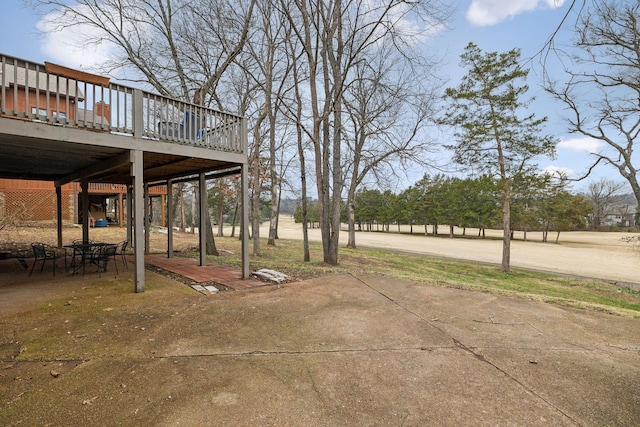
column 190, row 268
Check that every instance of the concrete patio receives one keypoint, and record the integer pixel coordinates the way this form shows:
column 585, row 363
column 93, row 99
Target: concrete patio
column 338, row 350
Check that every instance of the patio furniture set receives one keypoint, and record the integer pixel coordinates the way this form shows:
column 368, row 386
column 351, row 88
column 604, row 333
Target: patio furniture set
column 80, row 255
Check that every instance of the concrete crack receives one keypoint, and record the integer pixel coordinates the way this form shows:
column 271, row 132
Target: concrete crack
column 471, row 351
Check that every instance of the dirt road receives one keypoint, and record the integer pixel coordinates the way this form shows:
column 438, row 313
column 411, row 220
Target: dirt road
column 599, row 255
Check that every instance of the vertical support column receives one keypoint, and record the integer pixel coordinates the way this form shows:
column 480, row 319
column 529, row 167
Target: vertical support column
column 59, row 213
column 84, row 203
column 130, row 216
column 76, row 210
column 244, row 182
column 244, row 220
column 120, row 216
column 169, row 218
column 163, row 217
column 137, row 172
column 147, row 219
column 202, row 228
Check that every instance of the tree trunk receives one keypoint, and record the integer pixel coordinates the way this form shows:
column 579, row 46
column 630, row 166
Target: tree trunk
column 235, row 217
column 211, row 243
column 273, row 172
column 505, row 267
column 335, row 93
column 221, row 220
column 278, row 211
column 256, row 184
column 303, row 182
column 351, row 227
column 183, row 216
column 255, row 213
column 273, row 221
column 194, row 216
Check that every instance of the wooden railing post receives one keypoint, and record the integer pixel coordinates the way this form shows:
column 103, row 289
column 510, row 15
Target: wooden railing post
column 138, row 113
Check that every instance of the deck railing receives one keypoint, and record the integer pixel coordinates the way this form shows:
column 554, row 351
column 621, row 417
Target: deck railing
column 43, row 93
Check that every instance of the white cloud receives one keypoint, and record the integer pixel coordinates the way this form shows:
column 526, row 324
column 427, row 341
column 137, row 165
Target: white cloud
column 413, row 28
column 558, row 171
column 491, row 12
column 588, row 145
column 76, row 46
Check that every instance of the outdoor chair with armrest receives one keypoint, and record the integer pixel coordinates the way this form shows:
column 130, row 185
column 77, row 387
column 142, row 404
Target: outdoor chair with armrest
column 122, row 252
column 42, row 253
column 189, row 127
column 103, row 254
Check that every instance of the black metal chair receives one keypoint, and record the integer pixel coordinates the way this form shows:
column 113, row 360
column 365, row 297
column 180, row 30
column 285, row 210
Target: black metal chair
column 122, row 252
column 81, row 254
column 104, row 254
column 42, row 253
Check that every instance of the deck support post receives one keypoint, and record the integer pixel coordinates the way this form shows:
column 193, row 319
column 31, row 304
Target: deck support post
column 147, row 219
column 202, row 227
column 169, row 218
column 137, row 173
column 59, row 213
column 84, row 203
column 244, row 220
column 244, row 183
column 130, row 216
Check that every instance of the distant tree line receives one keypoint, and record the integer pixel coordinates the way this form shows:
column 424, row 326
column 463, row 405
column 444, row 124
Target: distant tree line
column 540, row 203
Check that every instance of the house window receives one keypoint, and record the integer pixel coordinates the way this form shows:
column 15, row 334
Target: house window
column 38, row 111
column 43, row 112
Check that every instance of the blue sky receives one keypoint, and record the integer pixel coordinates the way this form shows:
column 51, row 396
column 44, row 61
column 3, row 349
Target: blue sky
column 494, row 25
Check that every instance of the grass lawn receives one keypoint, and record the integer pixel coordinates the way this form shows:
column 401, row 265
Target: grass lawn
column 286, row 257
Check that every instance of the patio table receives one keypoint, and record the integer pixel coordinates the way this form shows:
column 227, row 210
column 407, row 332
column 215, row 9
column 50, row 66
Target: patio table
column 82, row 254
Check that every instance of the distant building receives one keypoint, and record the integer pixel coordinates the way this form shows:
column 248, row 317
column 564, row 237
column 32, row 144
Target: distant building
column 620, row 215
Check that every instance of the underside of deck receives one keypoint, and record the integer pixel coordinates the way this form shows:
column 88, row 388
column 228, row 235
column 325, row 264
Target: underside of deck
column 59, row 154
column 63, row 125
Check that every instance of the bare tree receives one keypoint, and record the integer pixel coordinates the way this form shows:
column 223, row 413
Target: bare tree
column 257, row 177
column 387, row 106
column 271, row 69
column 602, row 195
column 334, row 36
column 294, row 111
column 242, row 90
column 178, row 202
column 602, row 93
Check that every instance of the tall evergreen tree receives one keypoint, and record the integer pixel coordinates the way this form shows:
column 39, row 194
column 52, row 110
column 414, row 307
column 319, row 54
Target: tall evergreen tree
column 492, row 138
